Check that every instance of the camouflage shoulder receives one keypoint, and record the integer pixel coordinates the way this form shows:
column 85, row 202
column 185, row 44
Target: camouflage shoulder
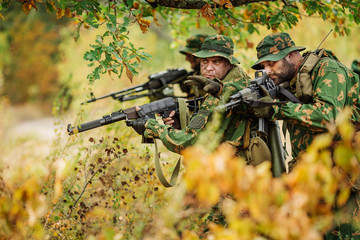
column 328, row 64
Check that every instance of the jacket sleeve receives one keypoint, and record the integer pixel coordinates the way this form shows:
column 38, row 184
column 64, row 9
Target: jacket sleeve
column 176, row 140
column 330, row 93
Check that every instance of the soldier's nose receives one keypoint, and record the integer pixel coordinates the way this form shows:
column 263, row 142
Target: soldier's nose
column 268, row 71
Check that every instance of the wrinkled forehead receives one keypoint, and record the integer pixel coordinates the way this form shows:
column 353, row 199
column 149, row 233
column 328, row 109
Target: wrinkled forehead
column 215, row 58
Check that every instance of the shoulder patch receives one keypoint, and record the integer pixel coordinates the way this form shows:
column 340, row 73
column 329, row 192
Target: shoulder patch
column 197, row 122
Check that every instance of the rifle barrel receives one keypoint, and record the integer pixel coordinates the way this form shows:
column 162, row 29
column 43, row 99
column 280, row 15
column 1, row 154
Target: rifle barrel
column 107, row 119
column 126, row 91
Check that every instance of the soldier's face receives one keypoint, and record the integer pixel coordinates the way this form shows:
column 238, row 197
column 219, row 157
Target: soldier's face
column 280, row 71
column 194, row 61
column 214, row 67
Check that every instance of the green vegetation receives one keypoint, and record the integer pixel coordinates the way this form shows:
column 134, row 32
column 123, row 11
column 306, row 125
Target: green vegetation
column 102, row 184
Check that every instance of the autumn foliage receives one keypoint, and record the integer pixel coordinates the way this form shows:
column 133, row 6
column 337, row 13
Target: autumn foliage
column 108, row 189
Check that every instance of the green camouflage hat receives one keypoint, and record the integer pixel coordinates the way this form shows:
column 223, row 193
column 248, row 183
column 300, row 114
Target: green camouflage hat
column 274, row 47
column 193, row 44
column 355, row 66
column 217, row 45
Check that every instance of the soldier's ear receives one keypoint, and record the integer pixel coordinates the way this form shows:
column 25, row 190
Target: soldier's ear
column 295, row 54
column 291, row 57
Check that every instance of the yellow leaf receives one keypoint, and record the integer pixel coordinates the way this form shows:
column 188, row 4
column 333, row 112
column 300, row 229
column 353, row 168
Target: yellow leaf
column 343, row 156
column 208, row 194
column 60, row 13
column 129, row 74
column 343, row 196
column 144, row 24
column 68, row 13
column 26, row 7
column 227, row 3
column 207, row 12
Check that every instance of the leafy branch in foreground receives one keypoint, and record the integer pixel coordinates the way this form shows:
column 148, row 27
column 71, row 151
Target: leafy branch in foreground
column 256, row 205
column 237, row 18
column 116, row 53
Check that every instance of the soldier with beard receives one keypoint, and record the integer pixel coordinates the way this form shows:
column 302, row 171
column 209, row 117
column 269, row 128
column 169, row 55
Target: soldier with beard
column 324, row 86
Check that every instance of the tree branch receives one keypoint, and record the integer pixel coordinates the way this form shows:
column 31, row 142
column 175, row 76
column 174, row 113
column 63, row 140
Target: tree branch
column 198, row 4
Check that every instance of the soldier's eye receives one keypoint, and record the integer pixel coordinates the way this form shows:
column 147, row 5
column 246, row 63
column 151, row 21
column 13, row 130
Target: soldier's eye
column 267, row 64
column 218, row 61
column 204, row 61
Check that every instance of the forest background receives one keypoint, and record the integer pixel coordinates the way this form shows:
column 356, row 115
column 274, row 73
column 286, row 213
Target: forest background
column 101, row 183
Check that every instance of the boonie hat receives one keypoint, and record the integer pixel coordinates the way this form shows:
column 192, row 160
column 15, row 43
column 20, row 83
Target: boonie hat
column 274, row 47
column 193, row 44
column 217, row 45
column 355, row 66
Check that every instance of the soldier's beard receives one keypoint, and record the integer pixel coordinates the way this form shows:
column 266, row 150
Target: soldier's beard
column 286, row 73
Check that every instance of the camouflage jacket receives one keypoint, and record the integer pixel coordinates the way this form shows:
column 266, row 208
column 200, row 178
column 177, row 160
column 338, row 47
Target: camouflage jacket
column 334, row 87
column 233, row 125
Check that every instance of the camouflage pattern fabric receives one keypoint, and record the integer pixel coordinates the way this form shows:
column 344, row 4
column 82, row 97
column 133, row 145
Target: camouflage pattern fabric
column 233, row 126
column 193, row 44
column 355, row 66
column 217, row 45
column 334, row 87
column 274, row 47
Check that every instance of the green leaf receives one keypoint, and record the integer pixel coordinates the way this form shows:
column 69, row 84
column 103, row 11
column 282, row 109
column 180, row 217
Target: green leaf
column 129, row 3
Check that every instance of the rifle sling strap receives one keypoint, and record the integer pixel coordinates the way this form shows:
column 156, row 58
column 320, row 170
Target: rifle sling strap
column 184, row 120
column 183, row 113
column 288, row 95
column 160, row 173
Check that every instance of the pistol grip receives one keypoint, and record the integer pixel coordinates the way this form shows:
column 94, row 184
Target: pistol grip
column 176, row 123
column 176, row 118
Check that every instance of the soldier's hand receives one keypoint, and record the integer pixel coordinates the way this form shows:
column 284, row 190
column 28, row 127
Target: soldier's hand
column 207, row 85
column 138, row 124
column 265, row 111
column 169, row 120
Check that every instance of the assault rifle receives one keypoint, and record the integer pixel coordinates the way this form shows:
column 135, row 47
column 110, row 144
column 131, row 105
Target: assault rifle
column 163, row 107
column 269, row 129
column 250, row 96
column 158, row 86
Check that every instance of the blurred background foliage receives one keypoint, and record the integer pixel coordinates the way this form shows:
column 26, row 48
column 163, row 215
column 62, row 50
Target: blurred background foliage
column 101, row 184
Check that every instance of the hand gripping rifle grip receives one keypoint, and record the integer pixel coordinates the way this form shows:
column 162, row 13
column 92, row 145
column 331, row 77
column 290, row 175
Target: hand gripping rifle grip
column 163, row 107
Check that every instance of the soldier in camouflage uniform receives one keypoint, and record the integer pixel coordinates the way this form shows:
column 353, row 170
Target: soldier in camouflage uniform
column 334, row 87
column 220, row 66
column 355, row 66
column 193, row 44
